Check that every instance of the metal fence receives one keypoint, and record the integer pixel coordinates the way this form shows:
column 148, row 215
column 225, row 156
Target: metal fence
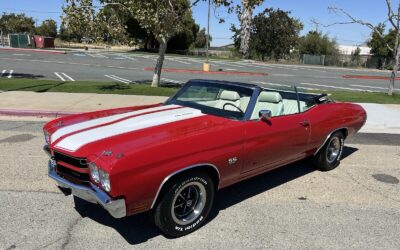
column 4, row 41
column 20, row 40
column 313, row 59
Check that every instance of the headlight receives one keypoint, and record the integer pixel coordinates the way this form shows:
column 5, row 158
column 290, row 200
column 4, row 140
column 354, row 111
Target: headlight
column 105, row 180
column 94, row 172
column 46, row 137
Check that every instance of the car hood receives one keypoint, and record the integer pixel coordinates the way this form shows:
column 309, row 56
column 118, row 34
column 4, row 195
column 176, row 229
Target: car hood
column 130, row 130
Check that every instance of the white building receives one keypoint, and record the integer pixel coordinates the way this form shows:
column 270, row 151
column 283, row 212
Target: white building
column 347, row 49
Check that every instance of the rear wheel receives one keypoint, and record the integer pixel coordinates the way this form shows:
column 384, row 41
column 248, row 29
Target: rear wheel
column 185, row 205
column 329, row 156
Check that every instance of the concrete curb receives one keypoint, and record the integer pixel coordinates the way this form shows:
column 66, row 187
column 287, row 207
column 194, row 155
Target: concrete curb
column 36, row 50
column 42, row 113
column 368, row 77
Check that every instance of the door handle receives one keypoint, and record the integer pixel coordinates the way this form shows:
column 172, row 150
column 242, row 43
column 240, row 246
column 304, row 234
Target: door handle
column 305, row 123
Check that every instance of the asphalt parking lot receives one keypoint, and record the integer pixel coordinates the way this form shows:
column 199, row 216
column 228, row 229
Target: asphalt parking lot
column 355, row 206
column 136, row 68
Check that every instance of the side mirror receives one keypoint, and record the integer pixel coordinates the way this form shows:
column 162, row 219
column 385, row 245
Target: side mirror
column 265, row 115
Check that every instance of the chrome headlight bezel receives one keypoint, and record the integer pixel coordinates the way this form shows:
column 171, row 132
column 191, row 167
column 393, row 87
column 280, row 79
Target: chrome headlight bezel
column 47, row 137
column 105, row 180
column 94, row 172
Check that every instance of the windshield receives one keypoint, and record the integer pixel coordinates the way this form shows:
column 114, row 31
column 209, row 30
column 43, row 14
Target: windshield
column 225, row 100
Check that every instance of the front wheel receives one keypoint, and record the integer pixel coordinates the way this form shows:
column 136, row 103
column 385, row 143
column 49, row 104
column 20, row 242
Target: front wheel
column 329, row 156
column 185, row 205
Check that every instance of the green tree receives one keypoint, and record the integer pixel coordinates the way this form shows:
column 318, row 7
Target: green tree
column 356, row 56
column 185, row 38
column 274, row 33
column 111, row 25
column 163, row 19
column 78, row 19
column 315, row 43
column 16, row 23
column 201, row 39
column 379, row 43
column 47, row 28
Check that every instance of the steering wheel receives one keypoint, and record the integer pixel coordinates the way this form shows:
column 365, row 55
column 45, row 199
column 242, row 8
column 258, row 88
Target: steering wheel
column 228, row 103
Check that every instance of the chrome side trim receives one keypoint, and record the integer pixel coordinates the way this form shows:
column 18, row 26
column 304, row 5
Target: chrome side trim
column 116, row 208
column 327, row 138
column 179, row 171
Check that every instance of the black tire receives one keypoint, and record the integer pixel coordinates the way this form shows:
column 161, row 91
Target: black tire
column 328, row 158
column 200, row 190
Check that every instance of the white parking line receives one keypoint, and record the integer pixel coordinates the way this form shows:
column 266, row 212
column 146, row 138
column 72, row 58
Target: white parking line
column 67, row 76
column 124, row 57
column 22, row 54
column 79, row 55
column 371, row 87
column 335, row 87
column 226, row 63
column 4, row 73
column 273, row 84
column 10, row 74
column 59, row 76
column 149, row 57
column 119, row 79
column 96, row 55
column 174, row 60
column 172, row 81
column 283, row 85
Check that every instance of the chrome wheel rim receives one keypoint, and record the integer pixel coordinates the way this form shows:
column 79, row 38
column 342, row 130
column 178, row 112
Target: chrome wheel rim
column 333, row 150
column 188, row 203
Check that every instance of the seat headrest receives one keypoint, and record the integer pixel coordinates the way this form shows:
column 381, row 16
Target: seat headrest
column 273, row 97
column 229, row 95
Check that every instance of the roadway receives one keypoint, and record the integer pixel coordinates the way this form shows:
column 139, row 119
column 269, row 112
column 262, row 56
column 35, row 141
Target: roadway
column 129, row 68
column 354, row 206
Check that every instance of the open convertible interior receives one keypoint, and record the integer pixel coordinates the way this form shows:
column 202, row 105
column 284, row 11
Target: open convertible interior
column 237, row 99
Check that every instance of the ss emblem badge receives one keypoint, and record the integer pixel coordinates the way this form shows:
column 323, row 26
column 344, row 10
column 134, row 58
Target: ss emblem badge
column 232, row 160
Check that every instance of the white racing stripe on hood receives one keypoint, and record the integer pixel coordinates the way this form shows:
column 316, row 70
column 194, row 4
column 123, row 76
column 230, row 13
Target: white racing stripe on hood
column 99, row 121
column 76, row 141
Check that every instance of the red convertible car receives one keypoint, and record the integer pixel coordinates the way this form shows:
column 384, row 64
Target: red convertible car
column 171, row 158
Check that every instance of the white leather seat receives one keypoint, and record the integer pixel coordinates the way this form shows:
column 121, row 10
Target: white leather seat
column 291, row 106
column 227, row 96
column 268, row 101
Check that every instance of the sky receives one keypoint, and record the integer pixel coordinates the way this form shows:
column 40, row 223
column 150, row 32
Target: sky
column 373, row 11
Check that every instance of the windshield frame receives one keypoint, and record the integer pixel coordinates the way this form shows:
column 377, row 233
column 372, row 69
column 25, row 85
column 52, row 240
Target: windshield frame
column 214, row 111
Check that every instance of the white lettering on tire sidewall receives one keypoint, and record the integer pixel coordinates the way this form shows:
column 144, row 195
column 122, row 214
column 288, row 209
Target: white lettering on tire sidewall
column 201, row 218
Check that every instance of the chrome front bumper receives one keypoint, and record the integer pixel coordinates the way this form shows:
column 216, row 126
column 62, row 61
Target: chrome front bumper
column 91, row 194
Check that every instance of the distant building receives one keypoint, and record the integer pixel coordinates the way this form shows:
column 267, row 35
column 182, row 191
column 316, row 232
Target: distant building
column 347, row 49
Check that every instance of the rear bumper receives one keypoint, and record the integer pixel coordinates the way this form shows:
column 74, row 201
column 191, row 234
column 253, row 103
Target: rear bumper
column 116, row 207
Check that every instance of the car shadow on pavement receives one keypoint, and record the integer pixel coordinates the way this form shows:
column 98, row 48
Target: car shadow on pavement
column 138, row 228
column 27, row 76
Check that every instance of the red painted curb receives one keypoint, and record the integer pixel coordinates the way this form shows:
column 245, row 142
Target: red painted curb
column 195, row 71
column 365, row 77
column 16, row 112
column 35, row 50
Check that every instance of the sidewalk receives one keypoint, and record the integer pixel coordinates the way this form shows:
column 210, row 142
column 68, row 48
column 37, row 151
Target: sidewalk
column 381, row 118
column 52, row 104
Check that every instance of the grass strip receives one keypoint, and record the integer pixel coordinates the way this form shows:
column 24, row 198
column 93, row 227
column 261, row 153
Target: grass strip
column 39, row 85
column 36, row 85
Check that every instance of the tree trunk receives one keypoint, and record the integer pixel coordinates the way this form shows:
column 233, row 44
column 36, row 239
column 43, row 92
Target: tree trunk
column 394, row 72
column 160, row 61
column 246, row 19
column 396, row 54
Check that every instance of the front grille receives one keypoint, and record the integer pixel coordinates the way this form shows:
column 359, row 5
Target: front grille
column 80, row 177
column 77, row 162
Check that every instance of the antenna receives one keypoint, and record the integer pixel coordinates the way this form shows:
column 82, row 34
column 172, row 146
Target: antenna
column 297, row 96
